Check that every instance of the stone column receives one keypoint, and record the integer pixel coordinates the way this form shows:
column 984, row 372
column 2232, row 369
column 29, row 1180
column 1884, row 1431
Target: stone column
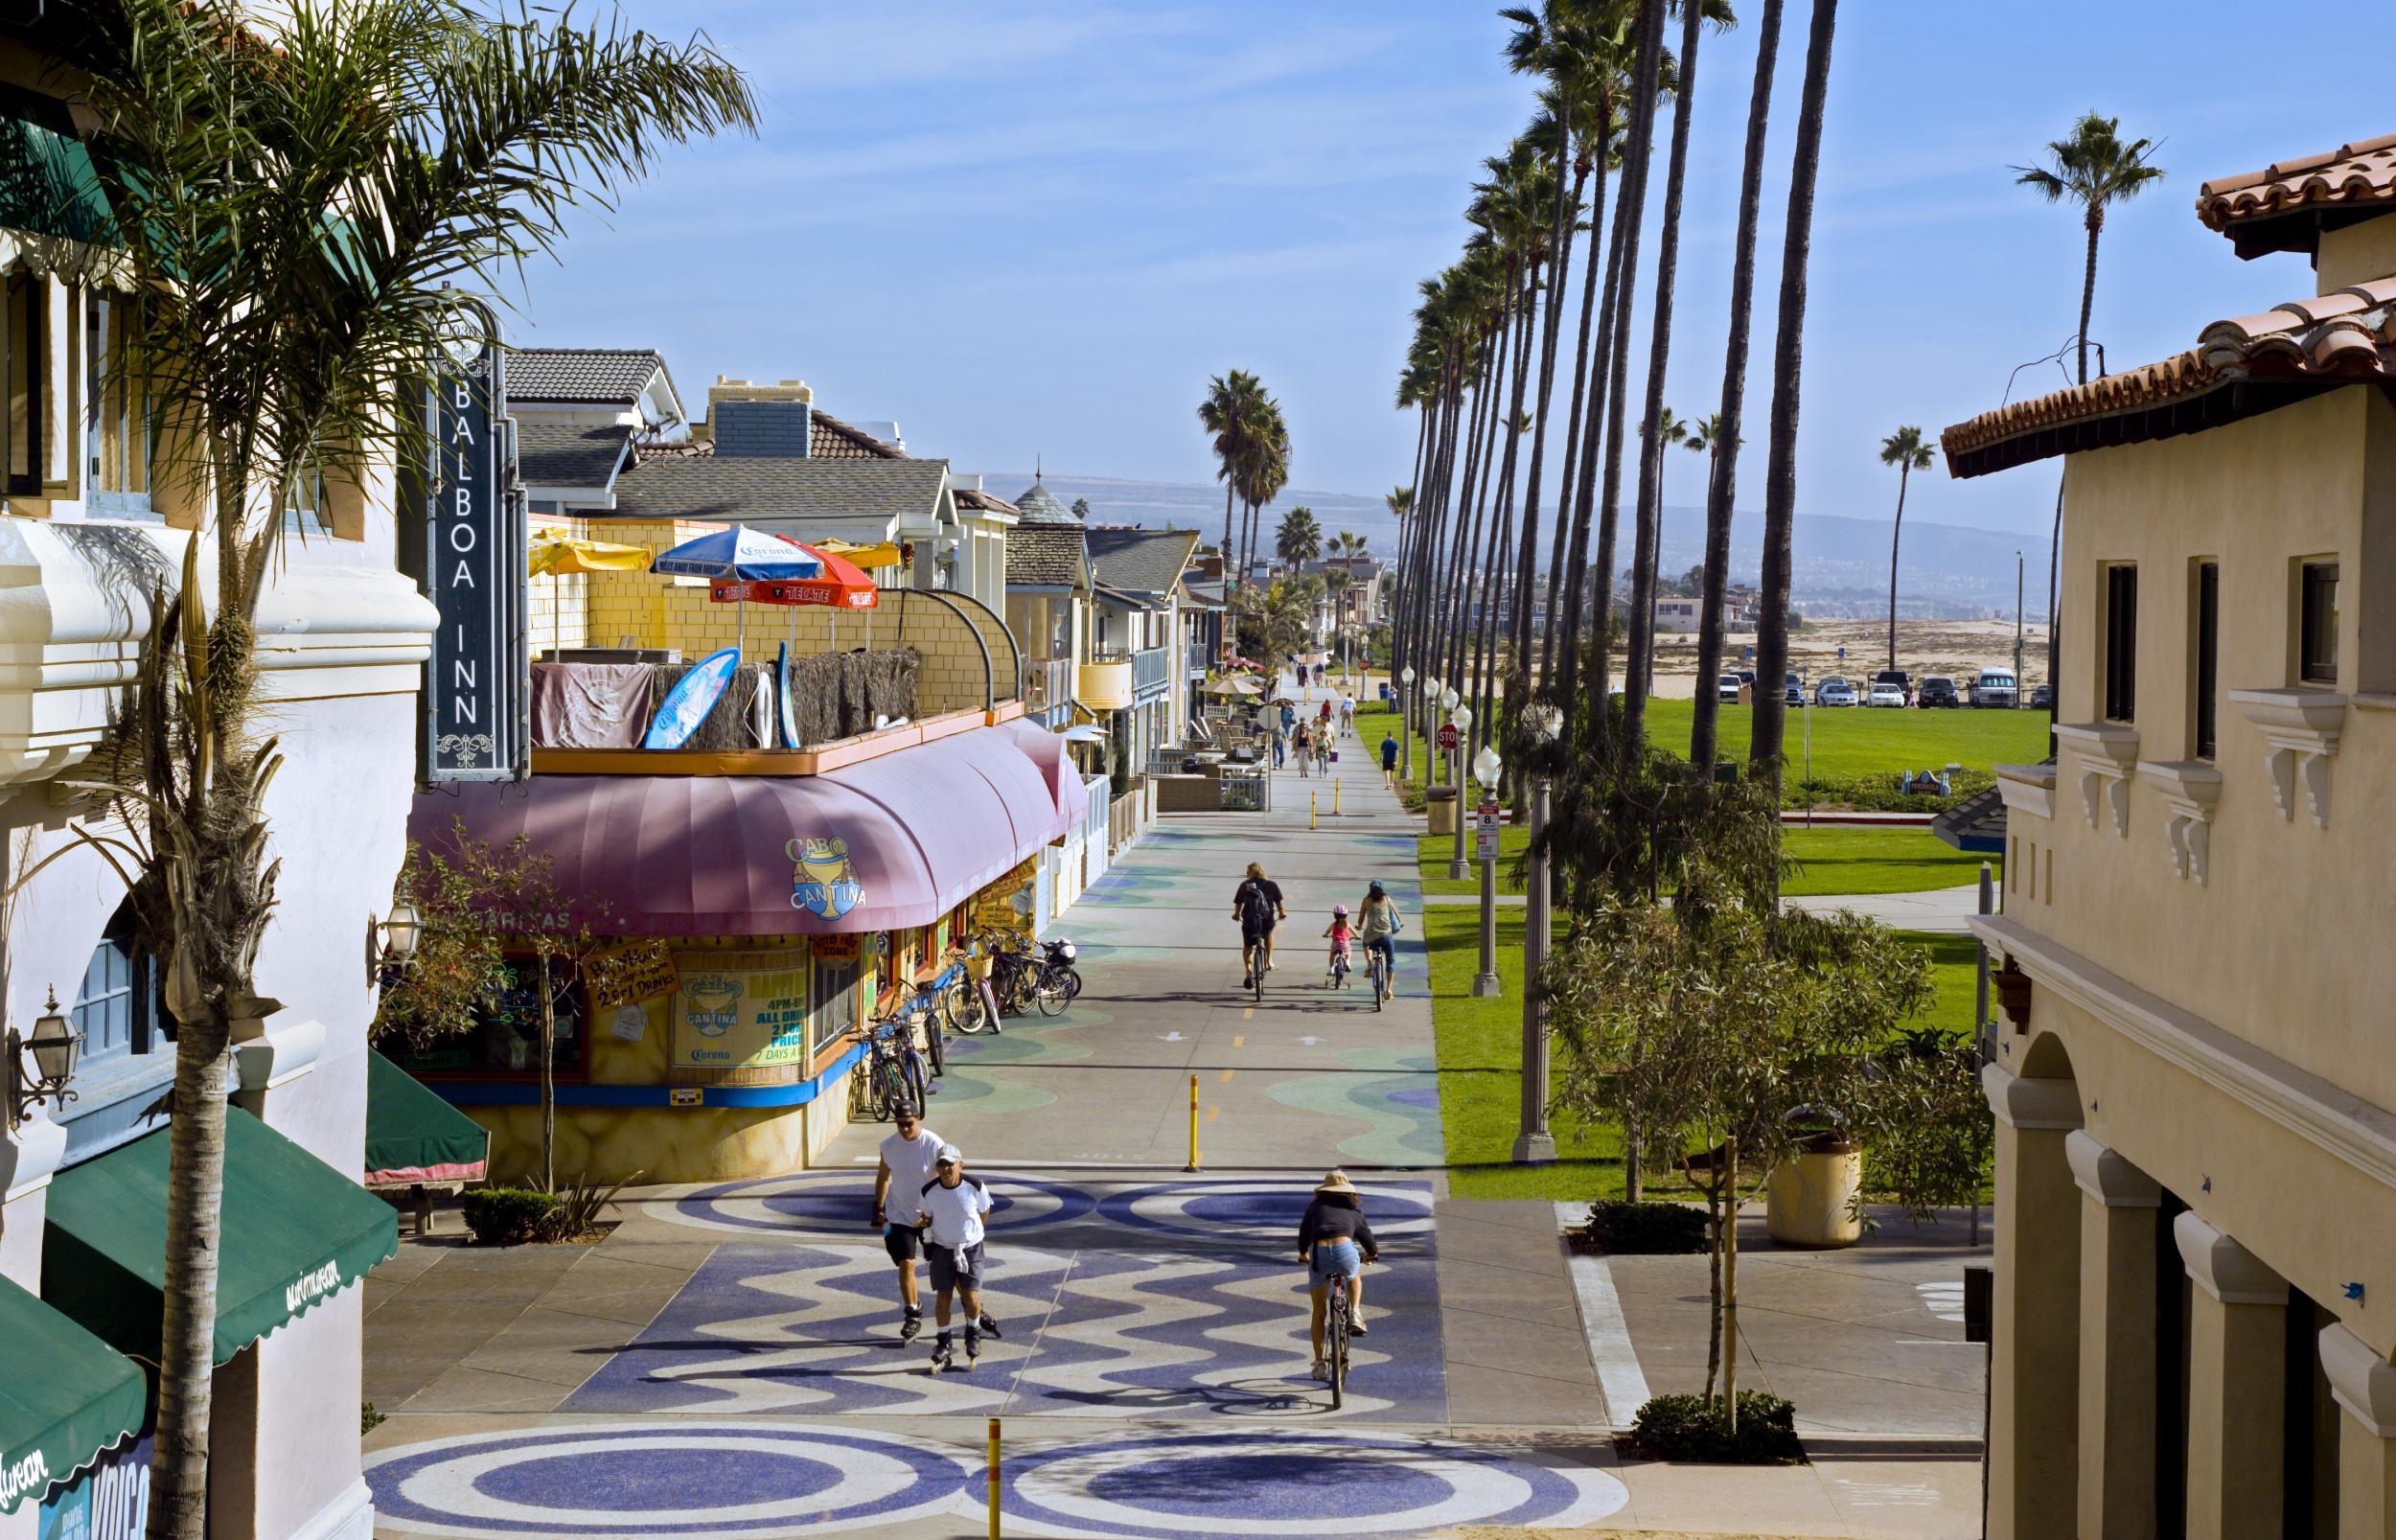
column 2237, row 1374
column 2117, row 1320
column 2033, row 1363
column 2365, row 1386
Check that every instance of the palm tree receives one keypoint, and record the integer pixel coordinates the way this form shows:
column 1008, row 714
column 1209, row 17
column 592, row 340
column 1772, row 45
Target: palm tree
column 1906, row 451
column 2095, row 169
column 1724, row 427
column 1702, row 437
column 1233, row 411
column 1779, row 496
column 1300, row 538
column 1667, row 427
column 444, row 147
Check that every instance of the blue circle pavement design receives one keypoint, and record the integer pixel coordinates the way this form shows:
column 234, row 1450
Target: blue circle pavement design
column 837, row 1206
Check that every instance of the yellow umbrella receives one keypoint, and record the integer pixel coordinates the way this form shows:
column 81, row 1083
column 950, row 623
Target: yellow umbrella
column 556, row 555
column 884, row 553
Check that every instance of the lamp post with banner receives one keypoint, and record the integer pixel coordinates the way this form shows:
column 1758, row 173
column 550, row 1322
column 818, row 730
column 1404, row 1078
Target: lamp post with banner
column 1459, row 718
column 1405, row 704
column 1487, row 768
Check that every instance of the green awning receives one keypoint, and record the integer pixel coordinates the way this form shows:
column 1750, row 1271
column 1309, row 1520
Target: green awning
column 66, row 1397
column 296, row 1233
column 48, row 186
column 412, row 1134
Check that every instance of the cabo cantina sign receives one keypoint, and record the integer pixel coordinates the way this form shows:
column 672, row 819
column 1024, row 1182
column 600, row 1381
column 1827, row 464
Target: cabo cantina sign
column 477, row 678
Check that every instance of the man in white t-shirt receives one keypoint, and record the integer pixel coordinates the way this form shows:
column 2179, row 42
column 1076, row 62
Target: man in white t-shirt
column 908, row 1157
column 950, row 1210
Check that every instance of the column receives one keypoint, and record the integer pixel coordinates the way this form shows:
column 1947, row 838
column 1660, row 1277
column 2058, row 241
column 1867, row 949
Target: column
column 2033, row 1363
column 2237, row 1374
column 2117, row 1324
column 2365, row 1386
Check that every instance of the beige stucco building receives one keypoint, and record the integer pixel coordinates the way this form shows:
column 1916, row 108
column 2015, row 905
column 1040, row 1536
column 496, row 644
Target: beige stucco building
column 2196, row 1166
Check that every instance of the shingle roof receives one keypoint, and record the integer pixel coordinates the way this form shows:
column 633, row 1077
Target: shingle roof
column 607, row 377
column 2237, row 369
column 738, row 487
column 2358, row 175
column 551, row 454
column 1044, row 556
column 1144, row 561
column 1039, row 506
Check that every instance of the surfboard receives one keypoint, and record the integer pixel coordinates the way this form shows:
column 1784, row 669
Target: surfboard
column 694, row 694
column 786, row 702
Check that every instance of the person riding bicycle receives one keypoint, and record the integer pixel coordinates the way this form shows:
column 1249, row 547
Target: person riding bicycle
column 1257, row 904
column 1378, row 924
column 1335, row 1242
column 1341, row 932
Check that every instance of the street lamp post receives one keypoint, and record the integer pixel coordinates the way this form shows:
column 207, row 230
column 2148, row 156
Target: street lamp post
column 1485, row 770
column 1460, row 715
column 1534, row 1143
column 1406, row 723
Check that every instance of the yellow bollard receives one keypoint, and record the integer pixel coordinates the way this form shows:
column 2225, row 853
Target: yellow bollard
column 1335, row 800
column 1310, row 808
column 1193, row 1125
column 993, row 1478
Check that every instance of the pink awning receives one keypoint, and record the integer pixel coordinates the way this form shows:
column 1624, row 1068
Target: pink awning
column 924, row 829
column 1049, row 752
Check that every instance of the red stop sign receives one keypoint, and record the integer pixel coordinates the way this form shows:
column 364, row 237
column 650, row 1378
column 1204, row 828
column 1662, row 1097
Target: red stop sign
column 1447, row 735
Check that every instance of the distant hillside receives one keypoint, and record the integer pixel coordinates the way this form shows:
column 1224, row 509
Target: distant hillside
column 1842, row 564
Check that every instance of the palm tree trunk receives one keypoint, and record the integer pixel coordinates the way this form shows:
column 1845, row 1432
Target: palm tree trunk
column 195, row 1224
column 1645, row 550
column 1482, row 450
column 1438, row 589
column 1560, row 243
column 1572, row 423
column 1780, row 506
column 1895, row 535
column 1231, row 577
column 1485, row 676
column 2087, row 287
column 1722, row 473
column 2055, row 544
column 1584, row 497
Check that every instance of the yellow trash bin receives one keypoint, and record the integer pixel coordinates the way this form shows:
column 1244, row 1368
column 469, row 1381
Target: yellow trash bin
column 1439, row 803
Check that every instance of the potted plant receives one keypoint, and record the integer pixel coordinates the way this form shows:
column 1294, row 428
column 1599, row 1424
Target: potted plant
column 1812, row 1198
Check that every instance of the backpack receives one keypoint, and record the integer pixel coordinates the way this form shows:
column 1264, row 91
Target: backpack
column 1253, row 903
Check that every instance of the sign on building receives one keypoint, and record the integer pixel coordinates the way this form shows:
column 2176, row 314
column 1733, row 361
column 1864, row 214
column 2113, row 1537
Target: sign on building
column 478, row 682
column 739, row 1011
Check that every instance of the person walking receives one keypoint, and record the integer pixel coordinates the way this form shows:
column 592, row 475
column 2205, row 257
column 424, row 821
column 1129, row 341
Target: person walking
column 1348, row 713
column 907, row 1160
column 950, row 1208
column 1276, row 745
column 1323, row 752
column 1389, row 759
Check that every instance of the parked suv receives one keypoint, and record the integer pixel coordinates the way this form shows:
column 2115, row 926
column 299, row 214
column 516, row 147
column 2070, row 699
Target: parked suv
column 1898, row 677
column 1938, row 690
column 1995, row 687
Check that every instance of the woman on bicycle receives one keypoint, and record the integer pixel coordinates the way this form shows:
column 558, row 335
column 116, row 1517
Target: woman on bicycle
column 1377, row 926
column 1334, row 1242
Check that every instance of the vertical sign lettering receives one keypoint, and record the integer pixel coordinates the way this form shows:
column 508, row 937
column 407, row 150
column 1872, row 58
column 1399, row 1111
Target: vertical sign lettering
column 474, row 569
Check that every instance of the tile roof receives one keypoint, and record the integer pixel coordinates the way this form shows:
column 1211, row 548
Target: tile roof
column 1039, row 506
column 551, row 455
column 2361, row 173
column 2290, row 351
column 1044, row 556
column 610, row 376
column 741, row 488
column 975, row 497
column 828, row 438
column 1144, row 561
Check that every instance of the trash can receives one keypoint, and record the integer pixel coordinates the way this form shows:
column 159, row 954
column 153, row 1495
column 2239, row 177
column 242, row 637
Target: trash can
column 1810, row 1199
column 1439, row 803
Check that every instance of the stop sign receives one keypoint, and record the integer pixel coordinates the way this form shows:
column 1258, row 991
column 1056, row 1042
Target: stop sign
column 1447, row 735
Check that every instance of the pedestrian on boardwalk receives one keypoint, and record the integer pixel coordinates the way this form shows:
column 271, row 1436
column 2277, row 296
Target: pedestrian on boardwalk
column 1389, row 759
column 1335, row 1243
column 907, row 1160
column 1323, row 752
column 1304, row 745
column 950, row 1208
column 1347, row 713
column 1277, row 746
column 1289, row 715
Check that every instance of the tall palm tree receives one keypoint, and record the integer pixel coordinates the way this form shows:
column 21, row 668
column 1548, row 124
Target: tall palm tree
column 1724, row 427
column 1667, row 428
column 1779, row 496
column 1906, row 451
column 1232, row 412
column 2093, row 168
column 1300, row 538
column 1703, row 436
column 442, row 146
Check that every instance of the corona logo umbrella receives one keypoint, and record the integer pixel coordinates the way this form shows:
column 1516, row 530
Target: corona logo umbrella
column 741, row 554
column 842, row 585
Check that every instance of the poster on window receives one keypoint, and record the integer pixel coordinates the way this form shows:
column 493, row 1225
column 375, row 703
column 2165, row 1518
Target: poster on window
column 110, row 1501
column 739, row 1011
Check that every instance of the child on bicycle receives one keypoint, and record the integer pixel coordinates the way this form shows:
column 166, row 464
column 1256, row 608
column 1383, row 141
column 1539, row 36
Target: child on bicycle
column 1334, row 1242
column 1341, row 933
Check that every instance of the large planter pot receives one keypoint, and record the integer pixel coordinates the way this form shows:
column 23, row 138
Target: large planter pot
column 1810, row 1199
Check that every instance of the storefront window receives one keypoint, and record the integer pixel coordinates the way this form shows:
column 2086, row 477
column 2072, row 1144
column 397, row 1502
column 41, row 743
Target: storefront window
column 506, row 1039
column 831, row 1000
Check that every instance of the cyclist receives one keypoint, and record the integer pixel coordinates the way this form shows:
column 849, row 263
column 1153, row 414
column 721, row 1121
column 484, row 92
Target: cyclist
column 950, row 1208
column 907, row 1159
column 1340, row 931
column 1257, row 904
column 1334, row 1242
column 1378, row 924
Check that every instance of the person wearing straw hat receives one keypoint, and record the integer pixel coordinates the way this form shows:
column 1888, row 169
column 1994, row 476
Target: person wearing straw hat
column 1335, row 1242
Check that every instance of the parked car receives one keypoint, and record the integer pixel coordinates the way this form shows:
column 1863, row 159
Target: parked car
column 1835, row 692
column 1746, row 676
column 1887, row 695
column 1898, row 677
column 2043, row 697
column 1995, row 687
column 1938, row 690
column 1726, row 688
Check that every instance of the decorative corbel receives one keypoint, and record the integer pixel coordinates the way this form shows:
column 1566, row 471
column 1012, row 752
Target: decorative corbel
column 2013, row 993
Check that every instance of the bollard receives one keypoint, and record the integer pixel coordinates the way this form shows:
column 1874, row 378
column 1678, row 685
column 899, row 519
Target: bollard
column 993, row 1478
column 1310, row 808
column 1335, row 800
column 1193, row 1125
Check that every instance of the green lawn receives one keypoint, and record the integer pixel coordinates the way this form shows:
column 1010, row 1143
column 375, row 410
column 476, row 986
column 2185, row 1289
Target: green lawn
column 1480, row 1059
column 1829, row 861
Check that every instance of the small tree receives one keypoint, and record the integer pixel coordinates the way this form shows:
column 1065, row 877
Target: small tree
column 1931, row 1127
column 458, row 967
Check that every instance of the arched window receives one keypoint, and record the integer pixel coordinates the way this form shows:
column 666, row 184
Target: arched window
column 114, row 1007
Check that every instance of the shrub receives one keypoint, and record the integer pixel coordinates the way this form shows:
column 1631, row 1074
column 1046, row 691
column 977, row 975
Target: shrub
column 578, row 1208
column 1647, row 1228
column 506, row 1216
column 1693, row 1428
column 368, row 1418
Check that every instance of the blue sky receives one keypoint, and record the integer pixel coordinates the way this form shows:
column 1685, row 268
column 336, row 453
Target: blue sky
column 1037, row 228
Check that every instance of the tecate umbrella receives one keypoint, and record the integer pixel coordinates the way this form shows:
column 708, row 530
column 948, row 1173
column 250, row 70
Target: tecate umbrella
column 743, row 553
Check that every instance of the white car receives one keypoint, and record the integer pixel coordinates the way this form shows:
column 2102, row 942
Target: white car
column 1835, row 692
column 1726, row 688
column 1885, row 695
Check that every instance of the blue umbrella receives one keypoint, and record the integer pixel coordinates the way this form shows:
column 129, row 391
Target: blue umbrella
column 742, row 553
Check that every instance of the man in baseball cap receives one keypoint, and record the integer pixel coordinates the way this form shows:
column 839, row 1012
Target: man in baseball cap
column 951, row 1207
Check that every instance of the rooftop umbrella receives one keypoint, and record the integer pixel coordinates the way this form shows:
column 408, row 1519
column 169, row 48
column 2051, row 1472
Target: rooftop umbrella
column 739, row 552
column 883, row 553
column 555, row 555
column 844, row 586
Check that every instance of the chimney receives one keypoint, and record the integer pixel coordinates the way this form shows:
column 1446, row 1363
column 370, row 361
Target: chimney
column 751, row 421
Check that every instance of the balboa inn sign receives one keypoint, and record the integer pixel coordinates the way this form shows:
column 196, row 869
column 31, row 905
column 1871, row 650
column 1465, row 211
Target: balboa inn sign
column 473, row 555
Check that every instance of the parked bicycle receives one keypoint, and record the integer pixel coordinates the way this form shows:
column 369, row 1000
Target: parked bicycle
column 880, row 1086
column 925, row 1007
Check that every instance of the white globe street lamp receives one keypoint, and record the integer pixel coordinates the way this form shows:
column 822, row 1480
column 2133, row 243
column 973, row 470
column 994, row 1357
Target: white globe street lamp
column 1486, row 767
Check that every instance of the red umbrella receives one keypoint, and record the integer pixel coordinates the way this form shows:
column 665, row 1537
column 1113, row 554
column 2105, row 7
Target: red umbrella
column 844, row 586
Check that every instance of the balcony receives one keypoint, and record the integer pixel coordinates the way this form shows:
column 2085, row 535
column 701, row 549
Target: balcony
column 1104, row 684
column 1201, row 659
column 1152, row 672
column 1048, row 689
